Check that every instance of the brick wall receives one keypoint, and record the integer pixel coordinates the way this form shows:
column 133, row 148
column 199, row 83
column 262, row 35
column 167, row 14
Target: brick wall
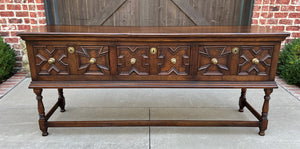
column 19, row 15
column 283, row 15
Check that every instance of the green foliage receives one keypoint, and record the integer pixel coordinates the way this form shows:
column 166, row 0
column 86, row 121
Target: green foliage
column 7, row 60
column 289, row 63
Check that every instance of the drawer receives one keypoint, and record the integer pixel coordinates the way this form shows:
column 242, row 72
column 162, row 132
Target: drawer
column 234, row 62
column 153, row 59
column 60, row 59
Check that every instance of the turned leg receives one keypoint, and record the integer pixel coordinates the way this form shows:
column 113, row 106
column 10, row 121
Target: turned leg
column 61, row 100
column 41, row 110
column 242, row 101
column 263, row 123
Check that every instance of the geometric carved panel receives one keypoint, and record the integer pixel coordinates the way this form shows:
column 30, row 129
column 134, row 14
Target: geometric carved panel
column 248, row 53
column 99, row 54
column 126, row 54
column 181, row 55
column 44, row 53
column 209, row 53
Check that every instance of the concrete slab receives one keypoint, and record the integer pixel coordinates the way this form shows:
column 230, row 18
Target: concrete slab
column 19, row 128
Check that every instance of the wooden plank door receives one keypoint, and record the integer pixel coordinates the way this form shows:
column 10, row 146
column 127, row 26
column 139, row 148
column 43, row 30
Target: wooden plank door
column 148, row 12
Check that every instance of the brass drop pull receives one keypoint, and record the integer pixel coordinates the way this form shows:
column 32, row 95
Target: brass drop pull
column 235, row 50
column 71, row 50
column 255, row 61
column 214, row 61
column 51, row 60
column 173, row 60
column 92, row 61
column 153, row 50
column 132, row 61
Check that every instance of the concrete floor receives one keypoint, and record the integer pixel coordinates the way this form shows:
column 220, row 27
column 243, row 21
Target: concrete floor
column 19, row 127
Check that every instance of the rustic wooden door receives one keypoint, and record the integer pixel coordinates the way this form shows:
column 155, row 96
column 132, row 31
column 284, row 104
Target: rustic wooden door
column 149, row 12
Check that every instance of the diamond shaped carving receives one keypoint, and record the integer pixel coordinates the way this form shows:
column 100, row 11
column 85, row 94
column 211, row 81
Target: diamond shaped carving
column 262, row 53
column 213, row 60
column 97, row 53
column 44, row 53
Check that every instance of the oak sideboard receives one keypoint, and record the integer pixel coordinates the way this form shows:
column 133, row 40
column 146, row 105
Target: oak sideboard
column 153, row 57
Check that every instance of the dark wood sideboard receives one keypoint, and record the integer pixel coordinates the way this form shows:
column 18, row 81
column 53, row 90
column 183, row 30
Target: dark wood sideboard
column 153, row 57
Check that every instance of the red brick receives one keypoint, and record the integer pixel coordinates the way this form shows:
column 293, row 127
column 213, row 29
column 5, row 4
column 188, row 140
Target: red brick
column 15, row 20
column 24, row 27
column 31, row 7
column 272, row 1
column 295, row 34
column 25, row 7
column 40, row 7
column 4, row 33
column 33, row 14
column 2, row 7
column 282, row 1
column 265, row 8
column 7, row 14
column 297, row 21
column 266, row 1
column 262, row 21
column 279, row 28
column 267, row 15
column 285, row 21
column 280, row 15
column 9, row 27
column 19, row 1
column 298, row 8
column 272, row 21
column 17, row 46
column 257, row 1
column 12, row 33
column 42, row 21
column 22, row 14
column 39, row 1
column 256, row 8
column 33, row 21
column 30, row 1
column 13, row 7
column 41, row 14
column 287, row 8
column 254, row 21
column 26, row 20
column 292, row 28
column 11, row 40
column 255, row 15
column 294, row 15
column 295, row 2
column 2, row 20
column 274, row 8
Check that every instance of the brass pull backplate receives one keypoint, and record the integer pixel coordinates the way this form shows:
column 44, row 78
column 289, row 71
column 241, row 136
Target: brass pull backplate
column 92, row 60
column 214, row 61
column 173, row 60
column 235, row 50
column 71, row 50
column 255, row 61
column 132, row 60
column 153, row 50
column 51, row 60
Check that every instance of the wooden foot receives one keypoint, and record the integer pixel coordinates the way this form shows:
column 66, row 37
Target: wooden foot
column 263, row 122
column 242, row 101
column 41, row 110
column 61, row 100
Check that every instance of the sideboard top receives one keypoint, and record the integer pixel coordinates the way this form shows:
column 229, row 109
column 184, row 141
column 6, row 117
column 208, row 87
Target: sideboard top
column 155, row 31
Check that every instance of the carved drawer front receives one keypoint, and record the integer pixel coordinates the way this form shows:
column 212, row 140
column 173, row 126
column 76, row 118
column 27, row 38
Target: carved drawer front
column 51, row 60
column 255, row 60
column 214, row 60
column 173, row 60
column 133, row 60
column 92, row 60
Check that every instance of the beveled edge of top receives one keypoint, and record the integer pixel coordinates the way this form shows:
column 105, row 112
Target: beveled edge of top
column 125, row 31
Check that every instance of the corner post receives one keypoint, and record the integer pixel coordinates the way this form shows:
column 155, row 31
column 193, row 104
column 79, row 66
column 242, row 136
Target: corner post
column 41, row 110
column 263, row 122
